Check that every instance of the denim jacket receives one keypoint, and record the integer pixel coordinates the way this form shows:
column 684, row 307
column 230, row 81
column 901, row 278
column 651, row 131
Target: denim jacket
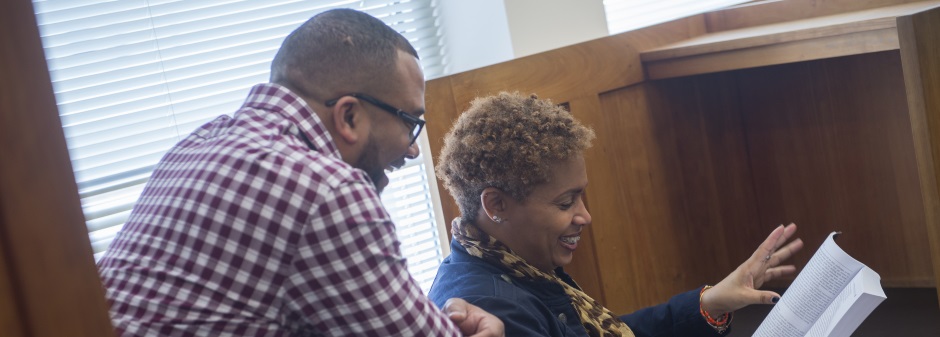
column 541, row 308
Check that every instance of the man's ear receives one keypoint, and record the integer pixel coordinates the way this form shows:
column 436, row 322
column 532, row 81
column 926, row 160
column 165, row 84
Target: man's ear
column 493, row 202
column 349, row 120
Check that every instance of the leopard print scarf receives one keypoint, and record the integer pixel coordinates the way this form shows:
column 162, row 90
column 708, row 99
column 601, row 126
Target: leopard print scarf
column 597, row 320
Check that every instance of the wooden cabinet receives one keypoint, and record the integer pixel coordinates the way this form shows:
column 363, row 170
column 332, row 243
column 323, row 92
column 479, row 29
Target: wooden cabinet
column 714, row 129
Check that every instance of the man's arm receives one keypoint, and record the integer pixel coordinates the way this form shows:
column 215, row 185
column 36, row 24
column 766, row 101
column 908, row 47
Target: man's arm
column 349, row 277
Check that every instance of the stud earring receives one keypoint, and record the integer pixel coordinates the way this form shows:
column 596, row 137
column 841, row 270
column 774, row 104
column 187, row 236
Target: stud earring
column 497, row 219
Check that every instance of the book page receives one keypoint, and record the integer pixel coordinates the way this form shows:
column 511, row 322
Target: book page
column 824, row 325
column 814, row 289
column 864, row 294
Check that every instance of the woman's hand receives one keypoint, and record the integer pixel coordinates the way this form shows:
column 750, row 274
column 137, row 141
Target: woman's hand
column 739, row 289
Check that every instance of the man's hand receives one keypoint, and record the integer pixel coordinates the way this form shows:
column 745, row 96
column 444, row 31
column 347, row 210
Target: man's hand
column 472, row 320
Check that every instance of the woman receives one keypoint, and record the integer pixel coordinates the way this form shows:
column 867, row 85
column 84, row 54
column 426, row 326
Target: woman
column 514, row 164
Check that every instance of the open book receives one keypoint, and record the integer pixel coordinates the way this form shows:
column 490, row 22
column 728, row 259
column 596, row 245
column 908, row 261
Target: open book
column 831, row 296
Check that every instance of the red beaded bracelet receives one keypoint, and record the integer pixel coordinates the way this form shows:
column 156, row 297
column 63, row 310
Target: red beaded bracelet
column 722, row 323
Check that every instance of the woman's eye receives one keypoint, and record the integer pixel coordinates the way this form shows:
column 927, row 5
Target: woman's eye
column 566, row 205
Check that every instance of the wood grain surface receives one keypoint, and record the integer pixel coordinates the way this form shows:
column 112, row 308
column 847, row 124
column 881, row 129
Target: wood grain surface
column 920, row 59
column 769, row 12
column 689, row 174
column 777, row 53
column 831, row 149
column 11, row 322
column 47, row 256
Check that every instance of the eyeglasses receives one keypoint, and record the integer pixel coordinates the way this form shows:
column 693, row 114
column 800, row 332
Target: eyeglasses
column 413, row 123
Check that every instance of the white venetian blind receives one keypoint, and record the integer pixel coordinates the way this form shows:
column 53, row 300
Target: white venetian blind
column 624, row 15
column 408, row 200
column 133, row 77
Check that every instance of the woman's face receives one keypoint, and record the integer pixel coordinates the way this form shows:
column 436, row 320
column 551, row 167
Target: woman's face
column 545, row 228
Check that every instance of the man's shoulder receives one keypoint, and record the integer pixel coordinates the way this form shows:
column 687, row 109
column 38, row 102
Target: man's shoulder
column 329, row 170
column 283, row 152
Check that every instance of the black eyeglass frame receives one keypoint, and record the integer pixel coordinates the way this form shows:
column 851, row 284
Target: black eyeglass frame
column 417, row 124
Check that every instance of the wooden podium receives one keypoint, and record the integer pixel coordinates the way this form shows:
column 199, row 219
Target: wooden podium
column 713, row 129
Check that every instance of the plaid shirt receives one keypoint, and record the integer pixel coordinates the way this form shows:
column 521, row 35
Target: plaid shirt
column 243, row 230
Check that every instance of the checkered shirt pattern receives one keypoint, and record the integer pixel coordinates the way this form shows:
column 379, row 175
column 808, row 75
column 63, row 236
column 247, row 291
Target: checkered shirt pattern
column 243, row 230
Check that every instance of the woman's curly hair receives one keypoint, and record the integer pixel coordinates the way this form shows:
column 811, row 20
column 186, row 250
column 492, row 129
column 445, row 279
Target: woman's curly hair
column 507, row 141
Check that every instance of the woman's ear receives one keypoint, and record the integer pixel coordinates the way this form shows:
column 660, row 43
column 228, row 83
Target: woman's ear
column 493, row 202
column 349, row 120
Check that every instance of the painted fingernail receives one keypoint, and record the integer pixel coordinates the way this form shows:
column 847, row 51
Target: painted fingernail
column 775, row 299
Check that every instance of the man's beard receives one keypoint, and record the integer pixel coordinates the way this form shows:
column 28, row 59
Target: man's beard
column 369, row 162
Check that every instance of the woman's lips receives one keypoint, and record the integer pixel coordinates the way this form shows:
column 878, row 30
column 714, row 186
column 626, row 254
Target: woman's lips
column 570, row 241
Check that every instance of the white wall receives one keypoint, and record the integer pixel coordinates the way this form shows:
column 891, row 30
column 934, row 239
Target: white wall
column 540, row 25
column 479, row 33
column 476, row 33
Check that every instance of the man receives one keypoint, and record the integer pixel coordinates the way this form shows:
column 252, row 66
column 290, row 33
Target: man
column 269, row 223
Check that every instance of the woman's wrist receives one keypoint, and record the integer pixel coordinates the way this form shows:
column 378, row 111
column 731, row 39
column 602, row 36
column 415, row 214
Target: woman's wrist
column 720, row 321
column 707, row 302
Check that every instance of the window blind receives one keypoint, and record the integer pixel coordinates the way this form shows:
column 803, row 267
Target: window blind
column 624, row 15
column 408, row 200
column 133, row 77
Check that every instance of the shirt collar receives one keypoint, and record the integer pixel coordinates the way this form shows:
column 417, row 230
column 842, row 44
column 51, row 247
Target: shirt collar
column 278, row 98
column 459, row 254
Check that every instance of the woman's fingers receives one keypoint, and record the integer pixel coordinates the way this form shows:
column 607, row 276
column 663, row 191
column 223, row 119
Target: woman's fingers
column 769, row 245
column 775, row 272
column 770, row 252
column 785, row 252
column 774, row 251
column 788, row 232
column 768, row 297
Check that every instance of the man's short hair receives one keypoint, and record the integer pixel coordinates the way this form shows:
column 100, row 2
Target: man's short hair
column 337, row 52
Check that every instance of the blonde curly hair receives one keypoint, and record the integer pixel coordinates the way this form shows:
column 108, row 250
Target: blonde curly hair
column 507, row 141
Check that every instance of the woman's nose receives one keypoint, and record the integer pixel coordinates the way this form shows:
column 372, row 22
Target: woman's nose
column 584, row 218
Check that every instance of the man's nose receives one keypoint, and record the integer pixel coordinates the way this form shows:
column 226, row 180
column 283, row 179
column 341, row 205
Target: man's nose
column 413, row 151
